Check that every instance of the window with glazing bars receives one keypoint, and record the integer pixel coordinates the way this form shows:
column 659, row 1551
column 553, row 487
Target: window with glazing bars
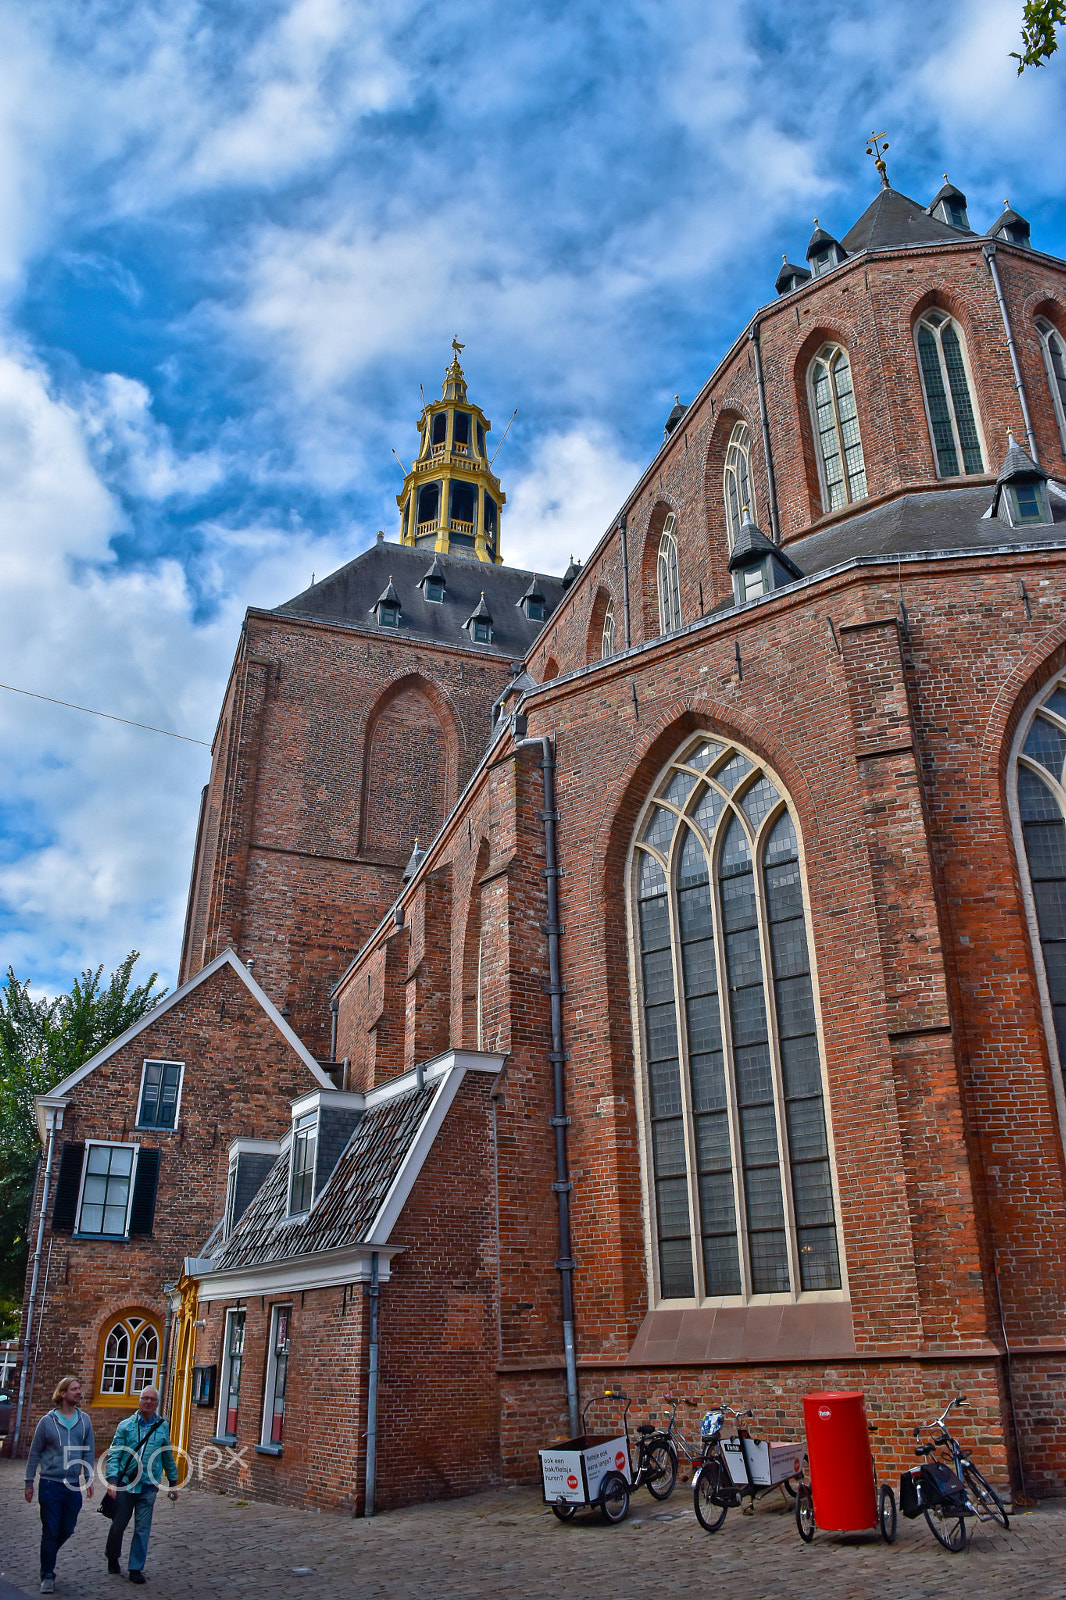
column 304, row 1145
column 159, row 1094
column 739, row 1178
column 952, row 421
column 668, row 577
column 105, row 1195
column 737, row 480
column 1041, row 793
column 277, row 1376
column 607, row 639
column 1054, row 348
column 841, row 464
column 234, row 1357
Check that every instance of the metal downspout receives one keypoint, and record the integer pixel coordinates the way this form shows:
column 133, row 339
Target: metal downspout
column 557, row 1056
column 989, row 252
column 164, row 1360
column 334, row 1006
column 372, row 1393
column 771, row 482
column 625, row 586
column 33, row 1283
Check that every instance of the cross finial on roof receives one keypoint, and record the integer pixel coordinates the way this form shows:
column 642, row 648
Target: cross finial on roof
column 876, row 147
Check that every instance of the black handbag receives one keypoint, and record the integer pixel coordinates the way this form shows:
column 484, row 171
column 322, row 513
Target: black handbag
column 109, row 1503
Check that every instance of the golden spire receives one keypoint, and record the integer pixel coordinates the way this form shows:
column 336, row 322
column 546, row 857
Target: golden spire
column 876, row 147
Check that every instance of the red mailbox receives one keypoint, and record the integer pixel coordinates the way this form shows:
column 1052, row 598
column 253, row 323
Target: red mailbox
column 841, row 1463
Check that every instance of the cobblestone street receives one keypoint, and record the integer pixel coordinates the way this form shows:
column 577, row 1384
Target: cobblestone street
column 508, row 1544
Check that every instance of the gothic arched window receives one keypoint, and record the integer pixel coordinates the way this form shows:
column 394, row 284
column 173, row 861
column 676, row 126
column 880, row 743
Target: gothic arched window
column 736, row 479
column 668, row 578
column 841, row 466
column 1040, row 822
column 129, row 1336
column 948, row 400
column 607, row 641
column 738, row 1167
column 1054, row 348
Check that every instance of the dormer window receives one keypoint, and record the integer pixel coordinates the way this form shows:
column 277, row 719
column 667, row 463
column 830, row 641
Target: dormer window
column 824, row 252
column 753, row 581
column 387, row 607
column 1029, row 503
column 949, row 206
column 533, row 603
column 433, row 589
column 479, row 623
column 482, row 632
column 304, row 1146
column 822, row 261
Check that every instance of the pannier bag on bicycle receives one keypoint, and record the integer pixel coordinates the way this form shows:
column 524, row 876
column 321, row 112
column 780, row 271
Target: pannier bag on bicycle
column 932, row 1484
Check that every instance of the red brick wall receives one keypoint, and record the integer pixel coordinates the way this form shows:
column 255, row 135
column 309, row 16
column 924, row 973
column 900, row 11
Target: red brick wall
column 239, row 1078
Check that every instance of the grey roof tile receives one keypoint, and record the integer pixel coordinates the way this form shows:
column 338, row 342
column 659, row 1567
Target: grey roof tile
column 892, row 221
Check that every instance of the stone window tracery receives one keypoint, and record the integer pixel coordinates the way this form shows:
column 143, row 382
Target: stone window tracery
column 736, row 479
column 607, row 641
column 737, row 1159
column 953, row 424
column 129, row 1360
column 668, row 578
column 841, row 464
column 1054, row 348
column 1038, row 794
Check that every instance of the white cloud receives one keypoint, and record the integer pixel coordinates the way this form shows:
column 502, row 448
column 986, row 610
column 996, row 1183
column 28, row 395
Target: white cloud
column 563, row 503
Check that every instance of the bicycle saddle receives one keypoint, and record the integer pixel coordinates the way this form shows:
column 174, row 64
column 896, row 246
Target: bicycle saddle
column 646, row 1427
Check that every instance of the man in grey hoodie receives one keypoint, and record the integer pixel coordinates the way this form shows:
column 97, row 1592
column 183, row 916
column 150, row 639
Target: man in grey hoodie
column 63, row 1447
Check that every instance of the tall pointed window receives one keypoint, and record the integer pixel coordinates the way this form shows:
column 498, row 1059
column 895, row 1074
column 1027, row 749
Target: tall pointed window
column 736, row 482
column 841, row 466
column 1054, row 348
column 668, row 578
column 607, row 641
column 737, row 1155
column 1040, row 824
column 953, row 423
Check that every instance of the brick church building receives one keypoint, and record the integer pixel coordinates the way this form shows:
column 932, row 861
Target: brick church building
column 652, row 975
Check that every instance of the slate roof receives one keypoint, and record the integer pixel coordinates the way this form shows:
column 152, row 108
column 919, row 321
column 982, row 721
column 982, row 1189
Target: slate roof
column 353, row 1195
column 349, row 594
column 891, row 222
column 944, row 519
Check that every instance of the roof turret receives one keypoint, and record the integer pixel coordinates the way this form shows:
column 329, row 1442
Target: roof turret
column 949, row 205
column 1011, row 227
column 675, row 416
column 790, row 276
column 823, row 251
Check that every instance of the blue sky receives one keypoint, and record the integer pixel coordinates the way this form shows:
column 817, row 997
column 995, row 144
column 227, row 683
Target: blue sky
column 235, row 237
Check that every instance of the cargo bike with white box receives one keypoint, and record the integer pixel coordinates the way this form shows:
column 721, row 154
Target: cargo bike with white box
column 736, row 1466
column 600, row 1470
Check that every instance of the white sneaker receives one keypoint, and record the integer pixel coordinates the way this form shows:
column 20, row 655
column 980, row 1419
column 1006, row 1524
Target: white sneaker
column 48, row 1586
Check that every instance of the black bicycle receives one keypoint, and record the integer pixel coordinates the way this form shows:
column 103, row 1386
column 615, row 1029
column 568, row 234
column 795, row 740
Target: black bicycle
column 655, row 1465
column 948, row 1488
column 736, row 1468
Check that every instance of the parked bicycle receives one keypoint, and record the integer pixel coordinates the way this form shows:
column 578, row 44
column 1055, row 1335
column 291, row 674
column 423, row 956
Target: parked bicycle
column 655, row 1465
column 947, row 1488
column 739, row 1467
column 676, row 1440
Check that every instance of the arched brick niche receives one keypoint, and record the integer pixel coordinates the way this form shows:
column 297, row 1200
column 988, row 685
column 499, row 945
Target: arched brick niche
column 594, row 650
column 409, row 770
column 719, row 586
column 551, row 669
column 649, row 563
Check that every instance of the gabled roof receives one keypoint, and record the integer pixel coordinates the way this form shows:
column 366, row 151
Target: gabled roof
column 891, row 222
column 948, row 193
column 349, row 595
column 56, row 1097
column 481, row 612
column 532, row 591
column 752, row 545
column 387, row 597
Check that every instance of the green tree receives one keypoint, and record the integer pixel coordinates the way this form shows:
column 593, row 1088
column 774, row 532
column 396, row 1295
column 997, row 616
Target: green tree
column 1040, row 22
column 43, row 1041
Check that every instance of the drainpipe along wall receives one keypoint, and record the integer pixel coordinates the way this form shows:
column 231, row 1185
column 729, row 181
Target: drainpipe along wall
column 557, row 1057
column 52, row 1118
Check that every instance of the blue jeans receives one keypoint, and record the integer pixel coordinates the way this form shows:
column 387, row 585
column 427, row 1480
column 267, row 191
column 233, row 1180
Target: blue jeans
column 59, row 1512
column 139, row 1506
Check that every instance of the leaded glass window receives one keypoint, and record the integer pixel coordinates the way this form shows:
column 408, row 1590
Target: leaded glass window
column 841, row 465
column 953, row 422
column 1040, row 779
column 607, row 640
column 740, row 1182
column 1054, row 348
column 668, row 577
column 737, row 480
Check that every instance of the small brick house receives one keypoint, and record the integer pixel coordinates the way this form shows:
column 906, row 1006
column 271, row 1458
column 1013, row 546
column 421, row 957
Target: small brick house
column 680, row 943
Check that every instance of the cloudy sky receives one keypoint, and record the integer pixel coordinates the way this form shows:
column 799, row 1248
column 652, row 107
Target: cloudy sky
column 235, row 236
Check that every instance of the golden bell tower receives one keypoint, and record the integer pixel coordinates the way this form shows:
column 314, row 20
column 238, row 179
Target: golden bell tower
column 451, row 501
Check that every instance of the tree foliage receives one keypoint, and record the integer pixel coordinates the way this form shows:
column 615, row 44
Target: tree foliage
column 42, row 1041
column 1040, row 23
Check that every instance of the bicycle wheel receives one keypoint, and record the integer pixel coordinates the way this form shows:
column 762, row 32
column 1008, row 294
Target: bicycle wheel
column 660, row 1466
column 984, row 1497
column 614, row 1497
column 805, row 1512
column 788, row 1485
column 886, row 1514
column 947, row 1527
column 563, row 1510
column 707, row 1496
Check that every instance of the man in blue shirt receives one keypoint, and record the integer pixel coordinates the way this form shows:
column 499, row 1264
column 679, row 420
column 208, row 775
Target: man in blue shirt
column 140, row 1453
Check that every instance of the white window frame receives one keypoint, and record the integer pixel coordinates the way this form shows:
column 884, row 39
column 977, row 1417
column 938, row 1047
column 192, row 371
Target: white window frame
column 829, row 356
column 311, row 1117
column 158, row 1061
column 737, row 451
column 222, row 1432
column 936, row 328
column 270, row 1380
column 110, row 1144
column 668, row 577
column 1018, row 758
column 795, row 1295
column 607, row 637
column 1047, row 331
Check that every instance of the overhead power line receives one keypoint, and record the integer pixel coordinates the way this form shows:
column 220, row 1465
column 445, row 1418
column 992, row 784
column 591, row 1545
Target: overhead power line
column 109, row 715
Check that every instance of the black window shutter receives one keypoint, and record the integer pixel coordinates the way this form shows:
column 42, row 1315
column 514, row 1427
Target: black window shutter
column 142, row 1212
column 67, row 1185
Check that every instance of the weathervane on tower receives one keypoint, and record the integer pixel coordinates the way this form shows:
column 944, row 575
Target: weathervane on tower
column 876, row 147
